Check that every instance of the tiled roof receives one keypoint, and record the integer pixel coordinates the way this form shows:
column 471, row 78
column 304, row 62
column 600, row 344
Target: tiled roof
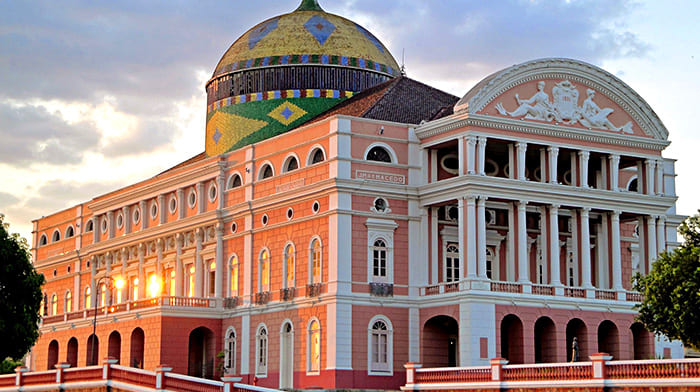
column 401, row 100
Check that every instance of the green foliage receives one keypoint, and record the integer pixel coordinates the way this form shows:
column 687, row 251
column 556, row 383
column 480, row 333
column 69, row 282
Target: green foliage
column 8, row 366
column 671, row 304
column 20, row 295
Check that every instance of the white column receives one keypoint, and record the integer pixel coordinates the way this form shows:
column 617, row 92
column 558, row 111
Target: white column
column 108, row 273
column 553, row 160
column 461, row 151
column 522, row 148
column 650, row 165
column 615, row 172
column 585, row 249
column 181, row 266
column 583, row 157
column 616, row 253
column 434, row 262
column 127, row 220
column 179, row 274
column 219, row 273
column 96, row 230
column 161, row 209
column 462, row 234
column 523, row 262
column 201, row 198
column 661, row 235
column 145, row 215
column 110, row 224
column 471, row 237
column 142, row 275
column 510, row 247
column 199, row 265
column 481, row 236
column 659, row 177
column 471, row 144
column 481, row 157
column 555, row 278
column 651, row 240
column 181, row 203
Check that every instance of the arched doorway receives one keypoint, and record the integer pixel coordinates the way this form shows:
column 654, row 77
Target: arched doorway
column 609, row 339
column 545, row 341
column 114, row 346
column 92, row 349
column 512, row 339
column 643, row 342
column 52, row 358
column 576, row 328
column 440, row 342
column 201, row 353
column 287, row 356
column 136, row 348
column 72, row 352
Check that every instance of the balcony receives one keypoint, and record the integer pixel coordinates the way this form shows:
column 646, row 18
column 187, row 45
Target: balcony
column 313, row 290
column 262, row 298
column 519, row 288
column 381, row 289
column 287, row 294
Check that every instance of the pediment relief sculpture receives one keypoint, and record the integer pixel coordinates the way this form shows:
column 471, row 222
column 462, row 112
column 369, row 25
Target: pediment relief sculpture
column 564, row 108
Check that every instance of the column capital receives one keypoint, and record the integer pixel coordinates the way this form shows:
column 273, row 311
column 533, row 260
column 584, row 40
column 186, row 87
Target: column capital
column 615, row 213
column 584, row 153
column 141, row 249
column 481, row 139
column 555, row 206
column 614, row 157
column 482, row 199
column 471, row 139
column 585, row 211
column 521, row 145
column 471, row 199
column 553, row 149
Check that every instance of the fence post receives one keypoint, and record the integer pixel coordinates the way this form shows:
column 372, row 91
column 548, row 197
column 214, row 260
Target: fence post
column 60, row 367
column 20, row 370
column 107, row 367
column 160, row 376
column 229, row 380
column 599, row 359
column 411, row 373
column 497, row 368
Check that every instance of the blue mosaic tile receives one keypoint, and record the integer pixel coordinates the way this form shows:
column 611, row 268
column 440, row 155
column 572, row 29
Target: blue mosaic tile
column 370, row 37
column 261, row 32
column 216, row 136
column 320, row 28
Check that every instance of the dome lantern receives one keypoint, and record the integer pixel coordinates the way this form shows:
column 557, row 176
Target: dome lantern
column 309, row 5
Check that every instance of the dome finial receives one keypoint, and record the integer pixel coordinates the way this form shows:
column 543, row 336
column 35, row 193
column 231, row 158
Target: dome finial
column 309, row 5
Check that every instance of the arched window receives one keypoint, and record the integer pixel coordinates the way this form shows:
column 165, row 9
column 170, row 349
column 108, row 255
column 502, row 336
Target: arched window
column 68, row 303
column 235, row 181
column 264, row 271
column 230, row 350
column 233, row 278
column 88, row 298
column 261, row 351
column 315, row 262
column 451, row 273
column 378, row 154
column 313, row 361
column 265, row 172
column 633, row 185
column 70, row 232
column 292, row 163
column 42, row 240
column 54, row 304
column 380, row 347
column 212, row 278
column 56, row 236
column 44, row 306
column 379, row 252
column 288, row 266
column 89, row 226
column 317, row 155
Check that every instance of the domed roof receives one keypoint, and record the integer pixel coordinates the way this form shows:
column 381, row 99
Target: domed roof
column 309, row 35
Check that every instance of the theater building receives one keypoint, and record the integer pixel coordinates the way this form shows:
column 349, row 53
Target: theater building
column 345, row 219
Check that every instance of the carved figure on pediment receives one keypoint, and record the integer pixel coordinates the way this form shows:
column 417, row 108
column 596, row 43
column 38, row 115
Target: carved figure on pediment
column 565, row 105
column 595, row 117
column 536, row 107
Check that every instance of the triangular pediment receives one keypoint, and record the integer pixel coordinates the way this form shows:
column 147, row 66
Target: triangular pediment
column 564, row 92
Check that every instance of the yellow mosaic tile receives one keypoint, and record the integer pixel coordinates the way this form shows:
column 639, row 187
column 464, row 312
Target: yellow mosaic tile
column 224, row 129
column 287, row 113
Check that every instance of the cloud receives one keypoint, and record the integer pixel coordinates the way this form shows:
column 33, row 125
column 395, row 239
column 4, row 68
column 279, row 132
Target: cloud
column 32, row 135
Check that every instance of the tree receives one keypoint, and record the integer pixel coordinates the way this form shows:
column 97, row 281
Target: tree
column 20, row 295
column 671, row 304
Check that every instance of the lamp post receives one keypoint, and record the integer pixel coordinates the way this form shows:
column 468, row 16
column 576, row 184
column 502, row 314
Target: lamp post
column 118, row 283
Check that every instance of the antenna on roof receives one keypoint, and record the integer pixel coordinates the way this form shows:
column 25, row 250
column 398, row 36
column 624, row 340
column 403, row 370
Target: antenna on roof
column 403, row 62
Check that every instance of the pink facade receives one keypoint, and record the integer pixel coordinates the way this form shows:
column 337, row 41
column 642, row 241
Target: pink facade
column 331, row 255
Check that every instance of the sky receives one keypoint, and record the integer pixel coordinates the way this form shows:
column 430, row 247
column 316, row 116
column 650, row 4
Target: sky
column 96, row 95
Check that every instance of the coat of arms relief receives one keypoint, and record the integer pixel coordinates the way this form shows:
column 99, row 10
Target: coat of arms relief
column 564, row 108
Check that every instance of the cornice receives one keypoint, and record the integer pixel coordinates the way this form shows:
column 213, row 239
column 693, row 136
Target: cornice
column 182, row 179
column 527, row 127
column 544, row 193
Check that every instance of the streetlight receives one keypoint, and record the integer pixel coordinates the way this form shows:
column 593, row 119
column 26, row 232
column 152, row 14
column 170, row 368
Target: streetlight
column 118, row 283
